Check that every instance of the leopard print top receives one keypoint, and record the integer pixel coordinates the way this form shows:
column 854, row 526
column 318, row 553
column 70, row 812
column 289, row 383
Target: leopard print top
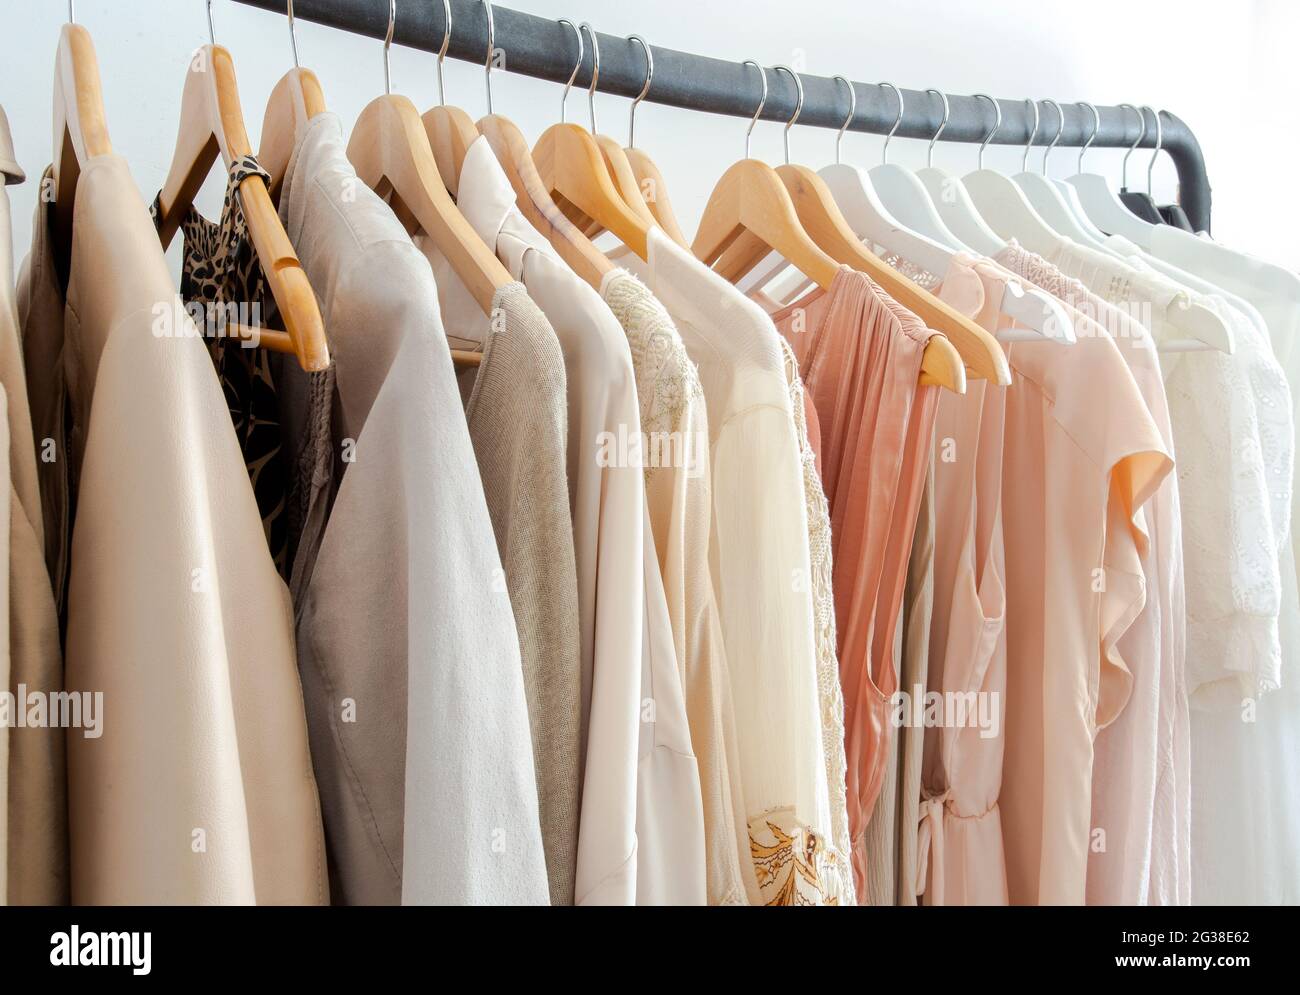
column 221, row 270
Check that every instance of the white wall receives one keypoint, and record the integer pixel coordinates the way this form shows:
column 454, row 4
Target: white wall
column 1228, row 69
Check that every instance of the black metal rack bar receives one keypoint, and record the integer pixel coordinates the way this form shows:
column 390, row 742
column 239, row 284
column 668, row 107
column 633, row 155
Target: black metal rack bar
column 544, row 49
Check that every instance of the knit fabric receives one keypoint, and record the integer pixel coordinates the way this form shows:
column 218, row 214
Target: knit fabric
column 518, row 423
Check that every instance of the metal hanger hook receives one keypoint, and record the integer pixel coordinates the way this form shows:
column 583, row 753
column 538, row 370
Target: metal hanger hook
column 442, row 51
column 1142, row 120
column 853, row 108
column 212, row 35
column 595, row 72
column 798, row 107
column 293, row 37
column 491, row 49
column 388, row 41
column 1060, row 127
column 761, row 103
column 1155, row 152
column 564, row 100
column 1096, row 127
column 884, row 149
column 72, row 13
column 1024, row 159
column 929, row 152
column 645, row 88
column 997, row 123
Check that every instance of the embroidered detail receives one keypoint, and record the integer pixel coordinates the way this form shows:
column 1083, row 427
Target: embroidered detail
column 919, row 275
column 830, row 695
column 220, row 268
column 666, row 380
column 794, row 865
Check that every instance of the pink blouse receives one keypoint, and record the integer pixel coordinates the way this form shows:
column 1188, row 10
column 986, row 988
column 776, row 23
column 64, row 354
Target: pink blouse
column 960, row 849
column 1082, row 456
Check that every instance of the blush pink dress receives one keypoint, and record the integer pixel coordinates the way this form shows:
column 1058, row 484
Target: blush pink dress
column 1082, row 456
column 1141, row 764
column 860, row 356
column 960, row 848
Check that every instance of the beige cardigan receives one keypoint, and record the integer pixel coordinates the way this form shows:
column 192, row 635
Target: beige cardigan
column 518, row 422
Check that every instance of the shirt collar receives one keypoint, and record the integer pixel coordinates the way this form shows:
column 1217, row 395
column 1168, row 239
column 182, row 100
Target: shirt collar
column 487, row 200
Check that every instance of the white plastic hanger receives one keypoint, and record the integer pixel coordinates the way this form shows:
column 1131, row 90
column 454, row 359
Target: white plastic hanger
column 1037, row 313
column 1071, row 195
column 1267, row 286
column 1102, row 204
column 906, row 196
column 1202, row 327
column 930, row 246
column 1004, row 205
column 1047, row 199
column 952, row 200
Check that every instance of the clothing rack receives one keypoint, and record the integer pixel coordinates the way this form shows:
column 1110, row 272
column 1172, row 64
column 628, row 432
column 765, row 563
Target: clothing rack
column 544, row 49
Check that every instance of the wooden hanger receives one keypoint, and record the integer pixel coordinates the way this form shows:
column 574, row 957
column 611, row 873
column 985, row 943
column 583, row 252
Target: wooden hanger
column 450, row 132
column 390, row 152
column 80, row 126
column 751, row 200
column 296, row 99
column 211, row 123
column 574, row 173
column 535, row 203
column 649, row 178
column 634, row 172
column 823, row 221
column 531, row 195
column 619, row 167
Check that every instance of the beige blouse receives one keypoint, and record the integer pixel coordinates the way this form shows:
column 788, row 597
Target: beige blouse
column 35, row 803
column 407, row 640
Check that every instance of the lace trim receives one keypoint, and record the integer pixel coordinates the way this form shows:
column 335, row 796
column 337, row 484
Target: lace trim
column 666, row 379
column 830, row 695
column 794, row 865
column 919, row 275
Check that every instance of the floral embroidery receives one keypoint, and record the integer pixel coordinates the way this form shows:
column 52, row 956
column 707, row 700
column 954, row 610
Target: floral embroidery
column 794, row 867
column 666, row 379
